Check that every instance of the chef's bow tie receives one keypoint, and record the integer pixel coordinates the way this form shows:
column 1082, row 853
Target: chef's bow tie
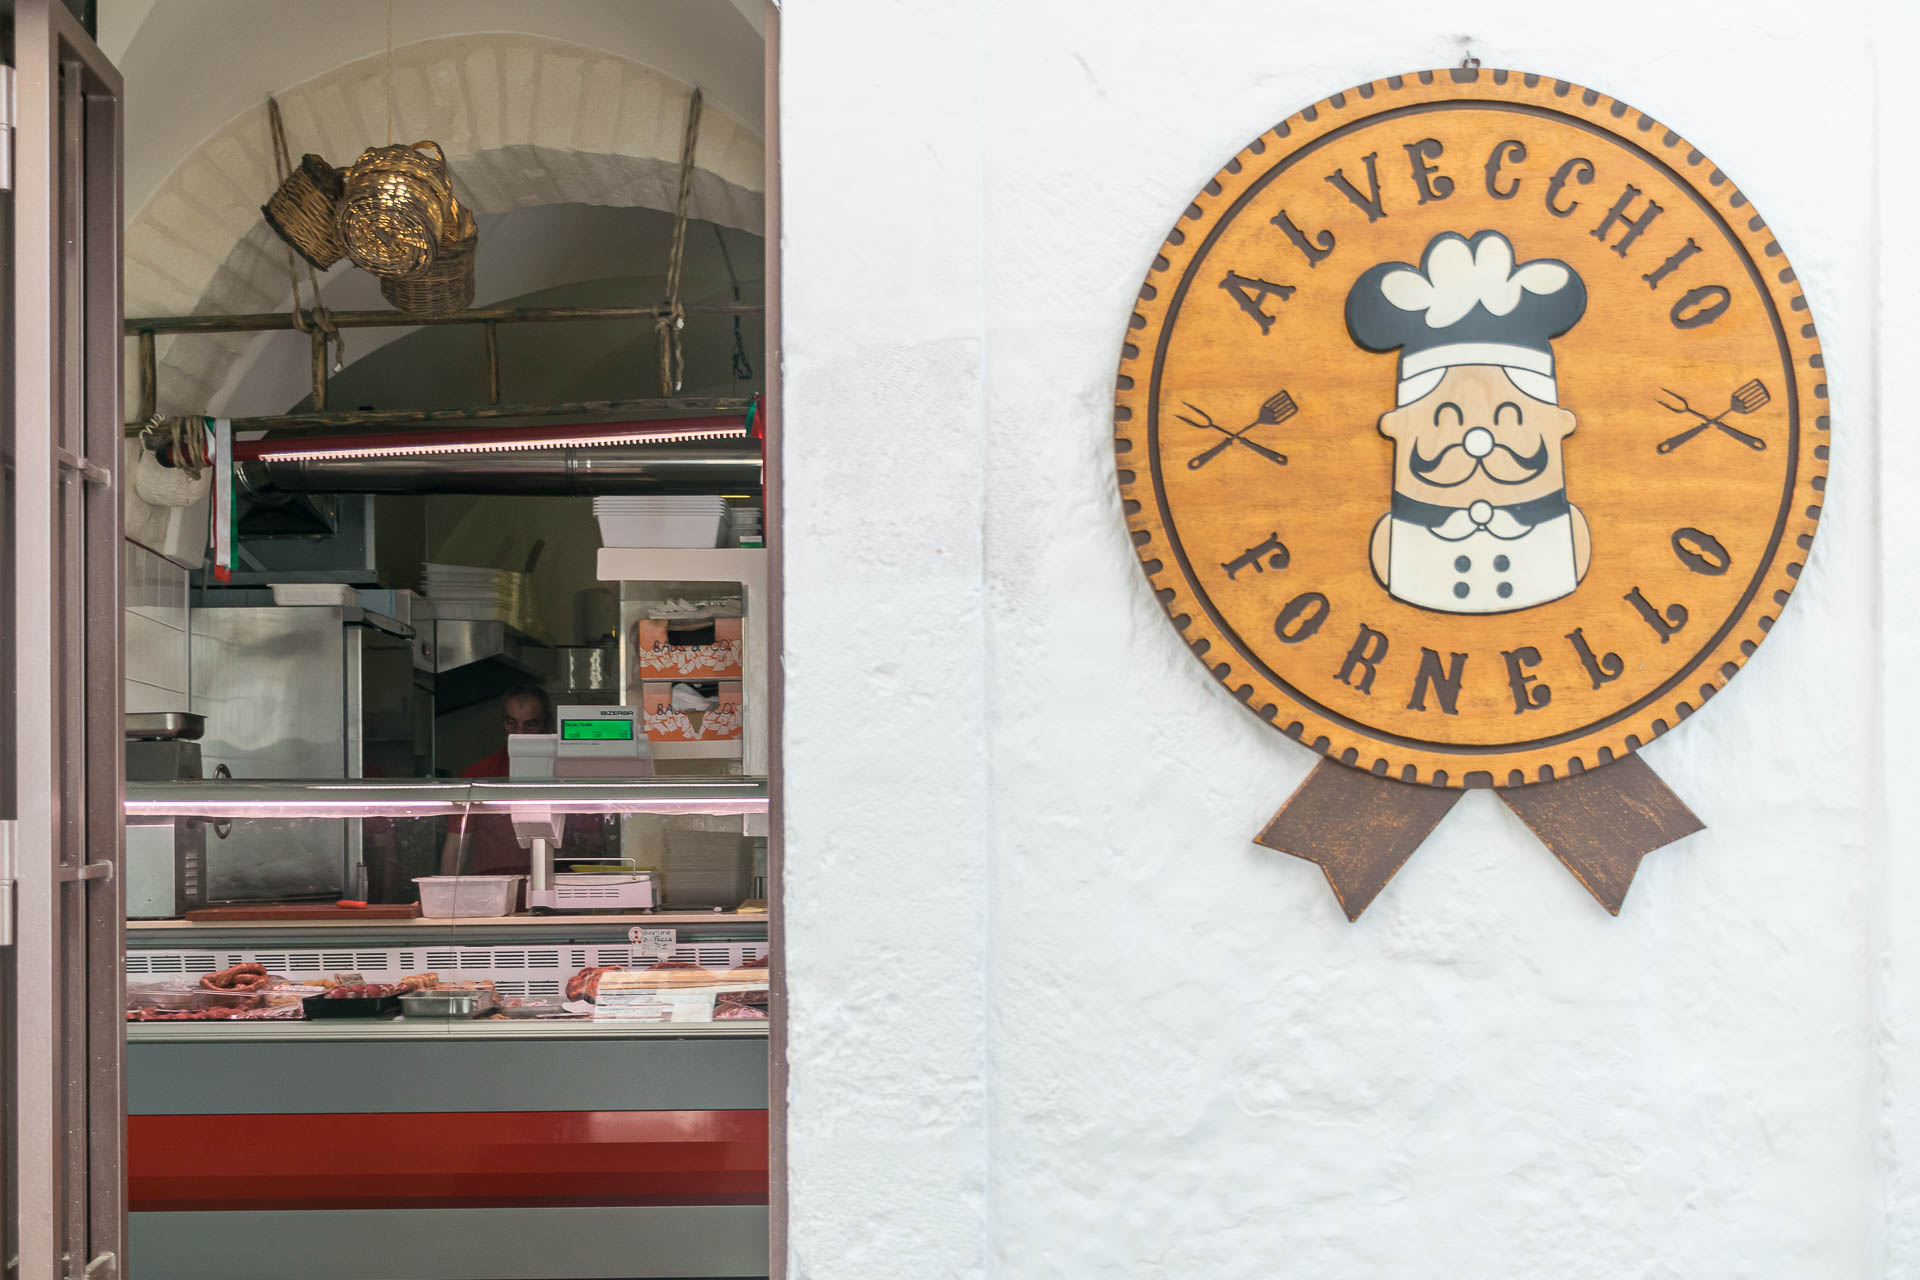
column 1455, row 523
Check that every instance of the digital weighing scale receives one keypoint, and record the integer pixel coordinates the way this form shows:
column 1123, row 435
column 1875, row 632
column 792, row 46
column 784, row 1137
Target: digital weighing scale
column 592, row 742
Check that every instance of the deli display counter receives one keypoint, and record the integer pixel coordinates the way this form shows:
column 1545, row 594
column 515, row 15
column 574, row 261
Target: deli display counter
column 319, row 1088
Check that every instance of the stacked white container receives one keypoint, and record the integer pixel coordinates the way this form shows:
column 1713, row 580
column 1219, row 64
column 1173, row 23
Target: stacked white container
column 690, row 520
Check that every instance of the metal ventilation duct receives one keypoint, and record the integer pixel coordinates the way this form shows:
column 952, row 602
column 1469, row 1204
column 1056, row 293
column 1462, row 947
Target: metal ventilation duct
column 686, row 466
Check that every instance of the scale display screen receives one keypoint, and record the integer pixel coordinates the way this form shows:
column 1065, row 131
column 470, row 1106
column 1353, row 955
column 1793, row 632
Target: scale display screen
column 612, row 729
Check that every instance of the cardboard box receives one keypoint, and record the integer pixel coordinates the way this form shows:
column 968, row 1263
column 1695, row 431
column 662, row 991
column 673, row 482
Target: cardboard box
column 664, row 724
column 687, row 648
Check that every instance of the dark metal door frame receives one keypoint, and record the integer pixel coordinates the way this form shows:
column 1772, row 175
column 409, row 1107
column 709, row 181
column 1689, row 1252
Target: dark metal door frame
column 773, row 501
column 63, row 983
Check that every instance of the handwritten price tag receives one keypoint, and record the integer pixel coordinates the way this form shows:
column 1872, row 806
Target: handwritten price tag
column 653, row 942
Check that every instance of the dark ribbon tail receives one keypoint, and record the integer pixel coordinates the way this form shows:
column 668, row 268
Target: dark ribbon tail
column 1362, row 828
column 1602, row 822
column 1359, row 827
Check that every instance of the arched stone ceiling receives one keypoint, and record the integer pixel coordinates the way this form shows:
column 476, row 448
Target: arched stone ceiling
column 543, row 255
column 524, row 120
column 191, row 66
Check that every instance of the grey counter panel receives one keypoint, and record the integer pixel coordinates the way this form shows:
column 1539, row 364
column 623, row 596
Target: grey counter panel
column 374, row 1075
column 691, row 1243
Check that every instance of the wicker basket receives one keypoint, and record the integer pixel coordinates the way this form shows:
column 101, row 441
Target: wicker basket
column 446, row 287
column 398, row 209
column 304, row 210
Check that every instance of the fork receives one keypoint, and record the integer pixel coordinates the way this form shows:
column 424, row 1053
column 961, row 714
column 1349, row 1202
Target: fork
column 1746, row 398
column 1277, row 408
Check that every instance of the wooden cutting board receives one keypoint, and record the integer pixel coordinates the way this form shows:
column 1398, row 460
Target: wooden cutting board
column 297, row 911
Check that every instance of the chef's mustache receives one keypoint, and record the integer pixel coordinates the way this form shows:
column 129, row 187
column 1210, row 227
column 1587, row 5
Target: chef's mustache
column 1453, row 465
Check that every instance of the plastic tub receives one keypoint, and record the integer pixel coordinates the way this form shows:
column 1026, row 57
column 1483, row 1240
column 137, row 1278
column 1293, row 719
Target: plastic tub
column 537, row 1007
column 176, row 996
column 289, row 593
column 662, row 529
column 462, row 897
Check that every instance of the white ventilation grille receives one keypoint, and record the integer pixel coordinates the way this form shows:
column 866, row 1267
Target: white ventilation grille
column 377, row 966
column 164, row 962
column 527, row 970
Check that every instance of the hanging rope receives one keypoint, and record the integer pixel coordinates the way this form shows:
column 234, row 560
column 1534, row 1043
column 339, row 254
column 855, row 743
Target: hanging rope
column 180, row 443
column 322, row 319
column 742, row 367
column 673, row 363
column 188, row 445
column 389, row 72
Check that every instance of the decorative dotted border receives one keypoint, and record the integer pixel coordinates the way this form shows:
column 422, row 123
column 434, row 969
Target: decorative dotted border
column 1438, row 764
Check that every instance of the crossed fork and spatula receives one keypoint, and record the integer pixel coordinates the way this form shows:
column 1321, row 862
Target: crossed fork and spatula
column 1277, row 408
column 1747, row 397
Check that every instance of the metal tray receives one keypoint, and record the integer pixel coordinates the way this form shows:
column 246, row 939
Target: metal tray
column 465, row 1002
column 318, row 1007
column 539, row 1007
column 157, row 726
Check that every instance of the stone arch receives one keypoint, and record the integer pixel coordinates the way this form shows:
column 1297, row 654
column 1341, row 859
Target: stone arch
column 524, row 121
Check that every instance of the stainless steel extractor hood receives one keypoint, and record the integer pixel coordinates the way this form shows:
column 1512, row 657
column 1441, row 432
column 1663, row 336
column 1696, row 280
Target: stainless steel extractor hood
column 477, row 660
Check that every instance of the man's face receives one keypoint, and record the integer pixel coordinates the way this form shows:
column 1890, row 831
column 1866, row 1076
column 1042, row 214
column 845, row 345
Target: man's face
column 1475, row 436
column 525, row 715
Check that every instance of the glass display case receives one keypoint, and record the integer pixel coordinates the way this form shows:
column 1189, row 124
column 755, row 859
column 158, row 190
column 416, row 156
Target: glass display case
column 596, row 1073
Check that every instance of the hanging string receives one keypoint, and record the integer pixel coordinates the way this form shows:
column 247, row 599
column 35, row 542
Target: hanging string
column 180, row 443
column 742, row 367
column 322, row 319
column 672, row 318
column 187, row 445
column 389, row 72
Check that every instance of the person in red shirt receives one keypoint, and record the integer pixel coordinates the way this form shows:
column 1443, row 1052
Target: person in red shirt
column 490, row 846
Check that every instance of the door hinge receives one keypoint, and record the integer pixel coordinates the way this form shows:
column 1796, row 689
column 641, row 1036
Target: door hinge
column 6, row 128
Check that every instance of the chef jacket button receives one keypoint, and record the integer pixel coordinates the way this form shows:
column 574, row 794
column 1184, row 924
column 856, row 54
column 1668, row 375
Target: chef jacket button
column 1461, row 564
column 1500, row 564
column 1504, row 590
column 1460, row 590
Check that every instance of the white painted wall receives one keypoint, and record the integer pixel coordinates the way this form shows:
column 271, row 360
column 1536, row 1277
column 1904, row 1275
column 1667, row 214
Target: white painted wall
column 1052, row 1013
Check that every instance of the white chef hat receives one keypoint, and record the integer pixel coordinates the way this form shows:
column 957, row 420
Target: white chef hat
column 1467, row 303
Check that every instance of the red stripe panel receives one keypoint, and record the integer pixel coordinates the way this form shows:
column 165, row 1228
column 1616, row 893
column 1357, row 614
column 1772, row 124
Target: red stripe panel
column 446, row 1160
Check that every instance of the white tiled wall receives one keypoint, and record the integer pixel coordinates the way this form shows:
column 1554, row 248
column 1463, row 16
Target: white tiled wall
column 156, row 632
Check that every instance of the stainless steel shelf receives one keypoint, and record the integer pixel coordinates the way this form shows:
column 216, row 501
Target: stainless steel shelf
column 420, row 798
column 356, row 1029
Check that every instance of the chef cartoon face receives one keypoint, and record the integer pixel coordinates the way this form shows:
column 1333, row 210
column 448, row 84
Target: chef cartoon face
column 1479, row 520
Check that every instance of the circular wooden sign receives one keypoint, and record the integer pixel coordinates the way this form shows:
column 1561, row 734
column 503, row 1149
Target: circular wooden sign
column 1472, row 428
